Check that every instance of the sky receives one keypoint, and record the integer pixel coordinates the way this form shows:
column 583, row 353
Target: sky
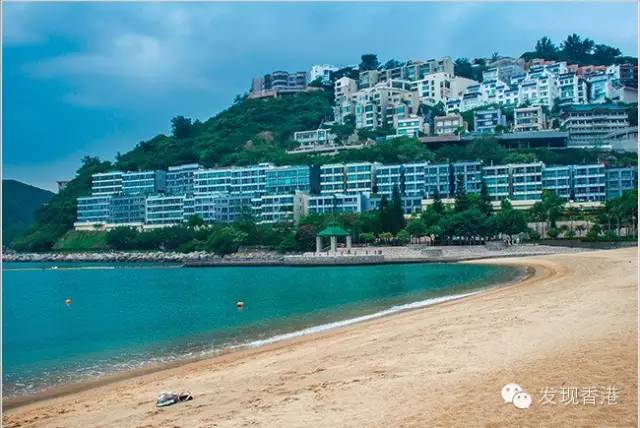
column 97, row 78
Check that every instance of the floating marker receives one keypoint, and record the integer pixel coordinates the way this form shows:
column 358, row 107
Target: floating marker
column 240, row 304
column 68, row 302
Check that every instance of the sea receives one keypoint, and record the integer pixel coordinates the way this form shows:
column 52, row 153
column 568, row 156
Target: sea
column 75, row 322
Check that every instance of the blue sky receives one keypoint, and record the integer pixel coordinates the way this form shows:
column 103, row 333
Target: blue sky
column 96, row 78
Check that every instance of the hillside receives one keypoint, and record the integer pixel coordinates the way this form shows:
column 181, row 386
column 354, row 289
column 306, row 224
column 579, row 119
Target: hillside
column 19, row 203
column 260, row 130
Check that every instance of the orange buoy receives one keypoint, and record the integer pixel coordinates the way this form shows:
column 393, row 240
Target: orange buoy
column 240, row 304
column 68, row 302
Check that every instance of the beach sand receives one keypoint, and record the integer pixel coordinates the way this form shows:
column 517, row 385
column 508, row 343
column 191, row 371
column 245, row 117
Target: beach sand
column 571, row 325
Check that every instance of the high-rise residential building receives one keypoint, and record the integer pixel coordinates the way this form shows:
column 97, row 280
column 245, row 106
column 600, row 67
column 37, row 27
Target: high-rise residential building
column 322, row 72
column 619, row 180
column 486, row 121
column 180, row 178
column 410, row 126
column 437, row 178
column 332, row 178
column 278, row 83
column 165, row 209
column 94, row 209
column 449, row 125
column 529, row 119
column 526, row 181
column 573, row 89
column 360, row 177
column 216, row 180
column 106, row 183
column 289, row 179
column 497, row 180
column 281, row 208
column 143, row 182
column 588, row 182
column 127, row 209
column 338, row 203
column 218, row 207
column 557, row 179
column 414, row 179
column 471, row 174
column 344, row 88
column 588, row 125
column 388, row 177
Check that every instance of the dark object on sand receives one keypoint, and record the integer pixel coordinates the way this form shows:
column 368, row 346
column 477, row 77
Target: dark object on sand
column 169, row 398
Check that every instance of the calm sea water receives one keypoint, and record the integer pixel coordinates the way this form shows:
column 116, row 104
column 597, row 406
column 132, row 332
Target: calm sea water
column 128, row 316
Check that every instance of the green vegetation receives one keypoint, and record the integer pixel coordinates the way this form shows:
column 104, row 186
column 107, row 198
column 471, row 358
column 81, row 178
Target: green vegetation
column 75, row 240
column 576, row 50
column 19, row 204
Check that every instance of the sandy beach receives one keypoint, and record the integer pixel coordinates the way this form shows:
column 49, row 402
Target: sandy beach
column 571, row 326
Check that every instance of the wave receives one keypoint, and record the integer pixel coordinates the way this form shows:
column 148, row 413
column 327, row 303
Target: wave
column 350, row 321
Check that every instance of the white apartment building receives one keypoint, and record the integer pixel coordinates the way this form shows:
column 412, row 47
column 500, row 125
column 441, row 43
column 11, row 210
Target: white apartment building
column 344, row 88
column 410, row 126
column 322, row 72
column 573, row 89
column 529, row 119
column 449, row 125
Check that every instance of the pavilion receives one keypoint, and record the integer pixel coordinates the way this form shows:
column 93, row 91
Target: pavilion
column 333, row 232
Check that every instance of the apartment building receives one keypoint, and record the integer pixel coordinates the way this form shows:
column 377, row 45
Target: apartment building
column 281, row 208
column 388, row 177
column 529, row 119
column 589, row 125
column 143, row 182
column 497, row 180
column 94, row 209
column 488, row 120
column 588, row 182
column 289, row 179
column 619, row 180
column 438, row 179
column 106, row 183
column 558, row 180
column 332, row 178
column 278, row 83
column 573, row 89
column 338, row 203
column 526, row 181
column 449, row 125
column 314, row 138
column 360, row 177
column 410, row 126
column 165, row 209
column 180, row 178
column 322, row 72
column 344, row 88
column 471, row 173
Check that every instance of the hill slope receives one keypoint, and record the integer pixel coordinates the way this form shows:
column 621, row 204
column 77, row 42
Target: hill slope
column 19, row 204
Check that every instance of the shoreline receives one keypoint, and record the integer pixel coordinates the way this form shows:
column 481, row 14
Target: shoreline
column 572, row 322
column 263, row 345
column 359, row 257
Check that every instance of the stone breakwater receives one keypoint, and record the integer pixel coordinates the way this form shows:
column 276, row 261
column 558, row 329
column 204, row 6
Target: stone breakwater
column 354, row 256
column 136, row 256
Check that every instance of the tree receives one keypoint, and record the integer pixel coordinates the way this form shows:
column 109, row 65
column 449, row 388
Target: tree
column 437, row 206
column 181, row 127
column 122, row 238
column 546, row 49
column 575, row 49
column 603, row 54
column 510, row 221
column 306, row 237
column 369, row 62
column 195, row 221
column 396, row 217
column 403, row 237
column 392, row 63
column 416, row 228
column 461, row 197
column 225, row 240
column 484, row 202
column 367, row 237
column 462, row 67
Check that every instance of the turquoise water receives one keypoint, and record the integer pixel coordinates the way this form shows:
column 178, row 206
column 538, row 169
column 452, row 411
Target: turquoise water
column 127, row 316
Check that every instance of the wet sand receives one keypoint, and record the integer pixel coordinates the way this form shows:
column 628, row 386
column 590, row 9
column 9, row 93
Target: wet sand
column 571, row 325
